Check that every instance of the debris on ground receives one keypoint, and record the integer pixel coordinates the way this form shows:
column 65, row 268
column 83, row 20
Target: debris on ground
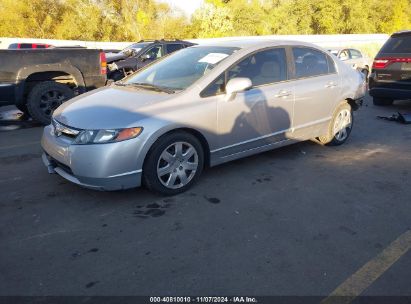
column 401, row 118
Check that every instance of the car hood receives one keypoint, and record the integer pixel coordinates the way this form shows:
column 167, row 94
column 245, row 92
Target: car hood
column 111, row 57
column 112, row 108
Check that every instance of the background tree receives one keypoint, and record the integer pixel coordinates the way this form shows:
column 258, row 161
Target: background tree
column 132, row 20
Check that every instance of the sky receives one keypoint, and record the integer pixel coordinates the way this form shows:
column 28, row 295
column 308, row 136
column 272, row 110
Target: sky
column 188, row 6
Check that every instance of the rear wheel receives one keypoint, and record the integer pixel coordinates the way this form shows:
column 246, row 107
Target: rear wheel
column 45, row 97
column 340, row 126
column 382, row 101
column 173, row 164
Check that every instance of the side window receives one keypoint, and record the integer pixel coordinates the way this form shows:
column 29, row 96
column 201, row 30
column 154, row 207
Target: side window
column 344, row 55
column 309, row 62
column 26, row 46
column 215, row 88
column 355, row 54
column 264, row 67
column 154, row 52
column 173, row 47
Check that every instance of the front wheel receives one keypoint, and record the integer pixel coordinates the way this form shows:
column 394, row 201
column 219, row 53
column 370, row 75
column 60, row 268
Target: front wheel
column 340, row 126
column 173, row 164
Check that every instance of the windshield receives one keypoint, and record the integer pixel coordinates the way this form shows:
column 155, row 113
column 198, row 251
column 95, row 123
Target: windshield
column 181, row 69
column 137, row 47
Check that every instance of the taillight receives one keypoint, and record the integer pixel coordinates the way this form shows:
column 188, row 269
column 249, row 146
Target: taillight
column 381, row 63
column 103, row 63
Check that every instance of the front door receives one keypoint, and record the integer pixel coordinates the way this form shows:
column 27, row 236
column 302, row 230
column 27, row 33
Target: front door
column 262, row 115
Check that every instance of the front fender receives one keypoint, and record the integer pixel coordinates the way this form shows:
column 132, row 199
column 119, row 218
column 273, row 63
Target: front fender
column 152, row 136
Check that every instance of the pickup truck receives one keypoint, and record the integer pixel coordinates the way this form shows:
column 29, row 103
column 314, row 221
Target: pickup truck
column 38, row 81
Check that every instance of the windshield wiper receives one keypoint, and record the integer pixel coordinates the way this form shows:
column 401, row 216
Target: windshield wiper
column 153, row 87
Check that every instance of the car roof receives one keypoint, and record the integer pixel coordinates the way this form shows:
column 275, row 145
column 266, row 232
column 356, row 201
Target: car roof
column 400, row 33
column 253, row 43
column 340, row 48
column 163, row 41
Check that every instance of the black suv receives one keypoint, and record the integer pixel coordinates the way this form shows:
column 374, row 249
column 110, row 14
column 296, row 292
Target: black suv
column 391, row 71
column 139, row 54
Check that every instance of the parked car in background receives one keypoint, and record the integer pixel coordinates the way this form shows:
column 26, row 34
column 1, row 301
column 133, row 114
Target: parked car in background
column 354, row 58
column 22, row 45
column 390, row 78
column 202, row 106
column 38, row 81
column 140, row 54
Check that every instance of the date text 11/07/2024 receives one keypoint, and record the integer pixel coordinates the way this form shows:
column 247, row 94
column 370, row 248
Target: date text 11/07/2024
column 203, row 300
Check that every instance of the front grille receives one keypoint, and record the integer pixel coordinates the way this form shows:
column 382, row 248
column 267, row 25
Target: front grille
column 61, row 129
column 55, row 163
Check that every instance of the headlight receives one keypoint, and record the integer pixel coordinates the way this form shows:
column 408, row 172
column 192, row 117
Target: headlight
column 106, row 136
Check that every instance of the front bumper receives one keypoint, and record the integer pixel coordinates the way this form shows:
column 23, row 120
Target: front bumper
column 102, row 167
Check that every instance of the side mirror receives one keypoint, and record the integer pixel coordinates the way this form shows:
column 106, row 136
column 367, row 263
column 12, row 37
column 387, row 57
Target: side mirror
column 236, row 85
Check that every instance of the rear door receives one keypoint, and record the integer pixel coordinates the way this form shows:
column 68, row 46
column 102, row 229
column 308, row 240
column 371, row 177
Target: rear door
column 317, row 90
column 392, row 66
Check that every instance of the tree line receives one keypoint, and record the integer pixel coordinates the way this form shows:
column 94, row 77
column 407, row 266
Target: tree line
column 132, row 20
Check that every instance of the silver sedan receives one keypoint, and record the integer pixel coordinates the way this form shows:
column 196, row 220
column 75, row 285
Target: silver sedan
column 200, row 107
column 354, row 58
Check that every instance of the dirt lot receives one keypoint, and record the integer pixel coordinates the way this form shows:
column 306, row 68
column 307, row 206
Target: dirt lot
column 300, row 220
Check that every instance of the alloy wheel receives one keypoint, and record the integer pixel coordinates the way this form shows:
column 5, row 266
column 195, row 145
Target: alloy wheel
column 177, row 165
column 342, row 125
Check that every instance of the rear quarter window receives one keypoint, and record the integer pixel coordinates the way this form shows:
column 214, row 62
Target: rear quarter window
column 173, row 47
column 355, row 54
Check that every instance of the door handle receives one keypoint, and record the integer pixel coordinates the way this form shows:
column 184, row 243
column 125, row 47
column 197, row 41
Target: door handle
column 331, row 84
column 283, row 94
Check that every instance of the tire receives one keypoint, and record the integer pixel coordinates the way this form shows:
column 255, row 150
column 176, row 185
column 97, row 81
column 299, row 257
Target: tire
column 45, row 97
column 336, row 135
column 164, row 165
column 382, row 101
